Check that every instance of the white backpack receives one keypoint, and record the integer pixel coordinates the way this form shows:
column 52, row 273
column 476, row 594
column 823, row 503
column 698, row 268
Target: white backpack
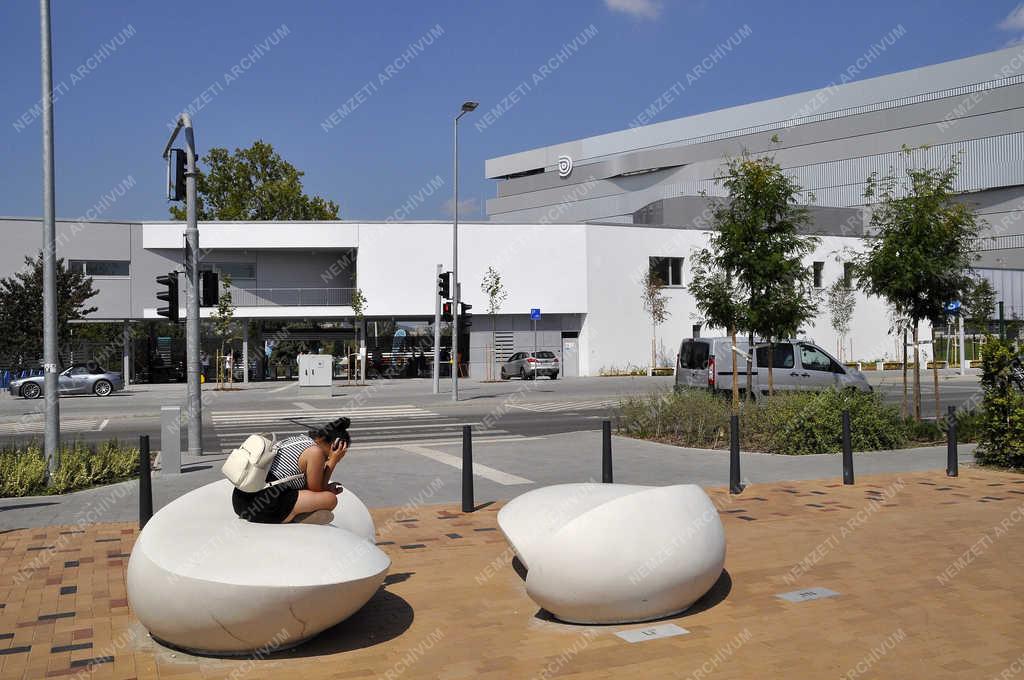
column 248, row 465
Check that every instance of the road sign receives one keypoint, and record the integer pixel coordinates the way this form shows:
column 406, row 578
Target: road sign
column 535, row 314
column 953, row 307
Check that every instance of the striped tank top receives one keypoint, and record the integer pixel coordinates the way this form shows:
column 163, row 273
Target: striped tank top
column 286, row 462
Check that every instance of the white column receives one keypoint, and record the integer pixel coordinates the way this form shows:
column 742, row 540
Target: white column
column 126, row 363
column 245, row 352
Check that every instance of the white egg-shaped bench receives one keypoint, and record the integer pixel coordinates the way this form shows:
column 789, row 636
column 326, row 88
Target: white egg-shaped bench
column 615, row 553
column 203, row 580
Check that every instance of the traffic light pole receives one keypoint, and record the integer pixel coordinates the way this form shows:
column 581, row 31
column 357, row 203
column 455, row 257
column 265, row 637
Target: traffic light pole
column 195, row 403
column 437, row 335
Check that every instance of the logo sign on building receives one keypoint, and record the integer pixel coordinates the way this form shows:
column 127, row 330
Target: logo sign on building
column 535, row 314
column 564, row 166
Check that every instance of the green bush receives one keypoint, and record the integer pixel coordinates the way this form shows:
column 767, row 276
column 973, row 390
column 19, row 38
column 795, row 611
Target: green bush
column 689, row 418
column 23, row 470
column 1001, row 440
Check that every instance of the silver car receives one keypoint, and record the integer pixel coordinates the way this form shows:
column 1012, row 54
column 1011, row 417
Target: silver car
column 79, row 379
column 529, row 365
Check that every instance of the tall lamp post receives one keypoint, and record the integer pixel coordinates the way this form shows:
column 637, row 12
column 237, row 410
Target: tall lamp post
column 466, row 108
column 51, row 431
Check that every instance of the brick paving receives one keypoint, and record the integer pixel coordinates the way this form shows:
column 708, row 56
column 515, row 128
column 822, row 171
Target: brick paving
column 926, row 571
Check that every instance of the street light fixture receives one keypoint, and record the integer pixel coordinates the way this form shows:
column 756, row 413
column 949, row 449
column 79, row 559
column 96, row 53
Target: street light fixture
column 467, row 107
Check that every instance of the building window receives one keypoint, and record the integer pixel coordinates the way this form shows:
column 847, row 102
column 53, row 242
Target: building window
column 238, row 271
column 819, row 267
column 99, row 267
column 848, row 274
column 668, row 270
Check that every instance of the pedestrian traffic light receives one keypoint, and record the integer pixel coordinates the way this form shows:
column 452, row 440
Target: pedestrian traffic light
column 444, row 285
column 170, row 296
column 465, row 318
column 209, row 297
column 446, row 312
column 176, row 175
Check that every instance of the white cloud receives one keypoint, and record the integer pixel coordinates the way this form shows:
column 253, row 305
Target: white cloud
column 1014, row 21
column 641, row 9
column 467, row 208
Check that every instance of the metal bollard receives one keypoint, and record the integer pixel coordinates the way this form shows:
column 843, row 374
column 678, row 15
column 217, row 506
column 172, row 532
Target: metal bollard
column 606, row 452
column 467, row 469
column 952, row 462
column 847, row 450
column 734, row 455
column 145, row 482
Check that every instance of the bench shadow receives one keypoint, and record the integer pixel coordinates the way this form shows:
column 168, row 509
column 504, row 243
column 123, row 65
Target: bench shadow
column 714, row 596
column 383, row 618
column 22, row 506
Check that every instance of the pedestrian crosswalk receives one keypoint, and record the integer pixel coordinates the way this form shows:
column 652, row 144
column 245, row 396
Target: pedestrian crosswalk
column 36, row 426
column 372, row 427
column 566, row 406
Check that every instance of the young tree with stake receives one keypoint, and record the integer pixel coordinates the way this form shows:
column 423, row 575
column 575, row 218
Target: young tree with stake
column 494, row 289
column 656, row 305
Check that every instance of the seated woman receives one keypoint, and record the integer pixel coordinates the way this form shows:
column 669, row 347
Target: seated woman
column 310, row 498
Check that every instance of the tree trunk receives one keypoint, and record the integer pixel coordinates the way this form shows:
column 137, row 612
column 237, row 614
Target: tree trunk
column 750, row 366
column 905, row 405
column 935, row 376
column 917, row 375
column 735, row 375
column 654, row 355
column 771, row 367
column 494, row 349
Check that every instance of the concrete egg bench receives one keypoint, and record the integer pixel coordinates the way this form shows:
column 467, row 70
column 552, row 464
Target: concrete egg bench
column 615, row 553
column 203, row 580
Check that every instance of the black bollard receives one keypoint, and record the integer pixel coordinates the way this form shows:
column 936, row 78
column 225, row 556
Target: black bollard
column 145, row 482
column 467, row 469
column 952, row 463
column 847, row 450
column 734, row 455
column 606, row 452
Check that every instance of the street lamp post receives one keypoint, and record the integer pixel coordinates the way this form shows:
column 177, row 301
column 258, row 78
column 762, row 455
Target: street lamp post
column 466, row 108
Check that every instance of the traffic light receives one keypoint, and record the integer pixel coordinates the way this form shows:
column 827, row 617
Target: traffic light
column 465, row 318
column 446, row 312
column 209, row 297
column 176, row 175
column 170, row 296
column 444, row 285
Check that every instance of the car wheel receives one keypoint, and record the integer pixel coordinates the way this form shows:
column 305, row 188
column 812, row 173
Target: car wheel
column 554, row 376
column 31, row 391
column 504, row 375
column 102, row 388
column 522, row 374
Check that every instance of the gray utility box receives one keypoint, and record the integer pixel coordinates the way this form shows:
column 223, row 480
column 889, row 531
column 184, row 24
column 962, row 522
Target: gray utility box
column 315, row 370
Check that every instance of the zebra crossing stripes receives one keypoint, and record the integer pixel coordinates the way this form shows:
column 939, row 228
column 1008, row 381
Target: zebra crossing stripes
column 564, row 406
column 35, row 426
column 291, row 418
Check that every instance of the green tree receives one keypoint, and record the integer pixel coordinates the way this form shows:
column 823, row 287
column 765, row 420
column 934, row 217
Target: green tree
column 254, row 184
column 21, row 309
column 494, row 289
column 920, row 256
column 720, row 300
column 359, row 309
column 652, row 296
column 840, row 300
column 1002, row 434
column 978, row 304
column 223, row 319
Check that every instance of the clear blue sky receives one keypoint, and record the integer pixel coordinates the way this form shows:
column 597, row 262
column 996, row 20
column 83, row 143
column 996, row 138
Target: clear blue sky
column 111, row 122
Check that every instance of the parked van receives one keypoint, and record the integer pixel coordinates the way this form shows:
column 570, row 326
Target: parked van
column 797, row 365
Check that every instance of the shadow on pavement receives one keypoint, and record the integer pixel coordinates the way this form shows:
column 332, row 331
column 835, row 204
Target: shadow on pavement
column 383, row 618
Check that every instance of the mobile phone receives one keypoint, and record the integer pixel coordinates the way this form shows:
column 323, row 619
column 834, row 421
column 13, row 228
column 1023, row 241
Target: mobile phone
column 334, row 444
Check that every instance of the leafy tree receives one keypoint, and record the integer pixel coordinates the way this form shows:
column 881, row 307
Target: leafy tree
column 655, row 304
column 21, row 309
column 920, row 257
column 494, row 289
column 720, row 300
column 359, row 309
column 223, row 319
column 1002, row 434
column 840, row 300
column 978, row 304
column 254, row 184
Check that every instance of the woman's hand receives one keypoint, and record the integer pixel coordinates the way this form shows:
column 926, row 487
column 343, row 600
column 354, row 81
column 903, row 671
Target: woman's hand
column 338, row 450
column 334, row 488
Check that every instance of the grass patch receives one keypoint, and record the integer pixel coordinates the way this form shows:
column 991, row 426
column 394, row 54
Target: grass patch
column 23, row 468
column 793, row 423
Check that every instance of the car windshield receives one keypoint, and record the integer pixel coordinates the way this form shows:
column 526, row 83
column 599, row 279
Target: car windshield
column 544, row 355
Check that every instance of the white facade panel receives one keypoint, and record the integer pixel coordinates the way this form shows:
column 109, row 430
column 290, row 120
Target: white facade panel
column 253, row 235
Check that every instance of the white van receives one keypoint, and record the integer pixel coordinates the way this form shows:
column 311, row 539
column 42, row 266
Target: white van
column 798, row 365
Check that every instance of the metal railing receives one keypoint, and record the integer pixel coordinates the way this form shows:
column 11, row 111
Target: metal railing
column 291, row 297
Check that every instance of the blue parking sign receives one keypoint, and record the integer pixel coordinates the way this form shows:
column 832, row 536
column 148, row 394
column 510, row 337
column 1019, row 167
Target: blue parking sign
column 535, row 314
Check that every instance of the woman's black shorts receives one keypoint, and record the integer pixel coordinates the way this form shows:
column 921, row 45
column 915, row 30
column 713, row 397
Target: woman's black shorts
column 267, row 506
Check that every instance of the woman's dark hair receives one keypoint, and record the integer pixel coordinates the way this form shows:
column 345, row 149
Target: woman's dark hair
column 336, row 429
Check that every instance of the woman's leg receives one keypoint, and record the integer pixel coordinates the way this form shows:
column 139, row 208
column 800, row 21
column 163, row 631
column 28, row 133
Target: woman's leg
column 311, row 501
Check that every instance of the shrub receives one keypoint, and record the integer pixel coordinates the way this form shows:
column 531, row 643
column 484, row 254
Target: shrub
column 689, row 418
column 1001, row 440
column 23, row 470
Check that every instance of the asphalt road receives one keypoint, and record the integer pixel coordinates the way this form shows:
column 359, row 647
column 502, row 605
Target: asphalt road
column 388, row 412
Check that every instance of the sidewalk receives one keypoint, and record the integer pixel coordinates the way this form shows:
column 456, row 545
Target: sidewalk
column 925, row 572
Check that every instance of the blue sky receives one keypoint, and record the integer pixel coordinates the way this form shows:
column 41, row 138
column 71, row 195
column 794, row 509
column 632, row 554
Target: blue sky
column 112, row 113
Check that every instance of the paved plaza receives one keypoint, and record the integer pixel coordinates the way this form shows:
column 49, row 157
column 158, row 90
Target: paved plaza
column 921, row 574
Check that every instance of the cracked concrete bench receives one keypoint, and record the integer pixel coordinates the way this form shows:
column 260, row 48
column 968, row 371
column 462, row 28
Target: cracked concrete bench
column 615, row 553
column 203, row 580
